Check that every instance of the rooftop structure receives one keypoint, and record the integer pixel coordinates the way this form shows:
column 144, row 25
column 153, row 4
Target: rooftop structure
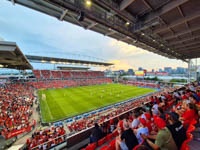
column 12, row 57
column 170, row 28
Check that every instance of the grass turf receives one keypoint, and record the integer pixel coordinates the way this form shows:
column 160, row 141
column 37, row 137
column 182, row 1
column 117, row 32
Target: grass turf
column 68, row 102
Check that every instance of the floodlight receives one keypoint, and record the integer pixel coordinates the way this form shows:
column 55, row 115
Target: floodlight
column 127, row 23
column 88, row 2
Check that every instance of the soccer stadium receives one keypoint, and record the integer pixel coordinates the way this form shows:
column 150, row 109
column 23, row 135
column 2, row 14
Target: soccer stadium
column 58, row 101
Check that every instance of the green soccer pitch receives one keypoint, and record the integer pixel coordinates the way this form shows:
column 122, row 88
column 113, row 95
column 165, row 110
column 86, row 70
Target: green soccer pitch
column 57, row 104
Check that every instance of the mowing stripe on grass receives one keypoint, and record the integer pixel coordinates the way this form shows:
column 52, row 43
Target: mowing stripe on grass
column 68, row 102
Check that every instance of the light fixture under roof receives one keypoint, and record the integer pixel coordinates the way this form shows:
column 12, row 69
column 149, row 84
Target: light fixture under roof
column 43, row 61
column 53, row 62
column 142, row 34
column 88, row 2
column 127, row 23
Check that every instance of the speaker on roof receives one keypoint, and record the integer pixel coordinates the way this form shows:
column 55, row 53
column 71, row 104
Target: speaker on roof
column 81, row 16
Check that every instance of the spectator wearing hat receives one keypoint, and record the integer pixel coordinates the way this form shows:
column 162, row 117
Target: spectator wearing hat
column 176, row 128
column 163, row 140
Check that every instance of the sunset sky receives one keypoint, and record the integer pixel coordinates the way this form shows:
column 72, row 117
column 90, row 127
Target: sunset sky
column 35, row 33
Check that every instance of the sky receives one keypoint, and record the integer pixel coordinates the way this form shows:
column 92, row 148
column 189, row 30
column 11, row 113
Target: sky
column 39, row 34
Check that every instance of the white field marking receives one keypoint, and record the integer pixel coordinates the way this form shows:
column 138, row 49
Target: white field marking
column 47, row 107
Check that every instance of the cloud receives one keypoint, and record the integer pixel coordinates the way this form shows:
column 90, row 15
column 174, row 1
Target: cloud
column 35, row 32
column 125, row 48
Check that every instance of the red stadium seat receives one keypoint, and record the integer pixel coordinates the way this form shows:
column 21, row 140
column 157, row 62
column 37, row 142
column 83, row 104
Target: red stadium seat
column 109, row 137
column 104, row 147
column 112, row 145
column 91, row 146
column 101, row 141
column 115, row 134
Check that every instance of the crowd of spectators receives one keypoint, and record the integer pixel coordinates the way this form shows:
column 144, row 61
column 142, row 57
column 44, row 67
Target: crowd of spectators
column 164, row 123
column 68, row 83
column 60, row 74
column 46, row 138
column 16, row 101
column 156, row 122
column 144, row 83
column 101, row 117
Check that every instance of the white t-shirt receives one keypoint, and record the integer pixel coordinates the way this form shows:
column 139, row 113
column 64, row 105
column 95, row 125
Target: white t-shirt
column 135, row 123
column 140, row 131
column 155, row 109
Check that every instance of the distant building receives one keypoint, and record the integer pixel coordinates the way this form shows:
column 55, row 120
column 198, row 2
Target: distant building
column 121, row 71
column 152, row 70
column 140, row 69
column 130, row 71
column 168, row 69
column 160, row 70
column 156, row 73
column 180, row 70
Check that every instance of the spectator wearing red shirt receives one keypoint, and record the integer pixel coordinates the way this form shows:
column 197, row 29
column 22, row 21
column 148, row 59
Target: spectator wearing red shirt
column 189, row 114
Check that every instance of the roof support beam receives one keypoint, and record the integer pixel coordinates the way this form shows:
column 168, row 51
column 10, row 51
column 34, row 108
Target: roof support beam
column 181, row 33
column 147, row 4
column 195, row 55
column 184, row 40
column 187, row 48
column 194, row 51
column 125, row 38
column 187, row 45
column 152, row 17
column 166, row 8
column 110, row 33
column 95, row 23
column 63, row 15
column 178, row 22
column 91, row 25
column 125, row 3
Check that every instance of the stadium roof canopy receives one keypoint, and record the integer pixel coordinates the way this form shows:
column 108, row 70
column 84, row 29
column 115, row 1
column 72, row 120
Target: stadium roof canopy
column 53, row 60
column 169, row 28
column 72, row 68
column 12, row 57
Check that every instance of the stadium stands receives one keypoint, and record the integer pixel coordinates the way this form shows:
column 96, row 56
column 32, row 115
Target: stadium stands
column 56, row 74
column 47, row 137
column 167, row 99
column 48, row 74
column 68, row 83
column 50, row 137
column 37, row 74
column 16, row 101
column 141, row 83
